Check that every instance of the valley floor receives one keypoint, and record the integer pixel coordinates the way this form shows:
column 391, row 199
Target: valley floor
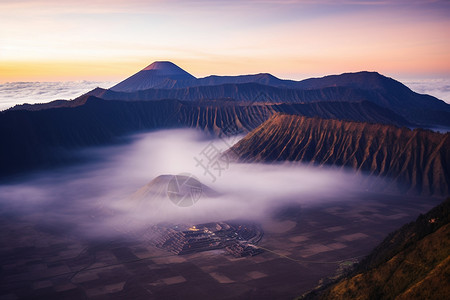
column 39, row 264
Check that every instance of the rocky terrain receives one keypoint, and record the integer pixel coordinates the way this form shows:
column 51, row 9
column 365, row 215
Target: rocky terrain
column 413, row 160
column 38, row 137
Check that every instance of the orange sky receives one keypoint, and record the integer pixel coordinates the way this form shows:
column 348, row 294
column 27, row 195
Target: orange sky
column 49, row 40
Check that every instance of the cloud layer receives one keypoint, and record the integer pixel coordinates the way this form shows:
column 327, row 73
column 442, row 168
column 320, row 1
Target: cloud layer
column 12, row 93
column 94, row 199
column 439, row 88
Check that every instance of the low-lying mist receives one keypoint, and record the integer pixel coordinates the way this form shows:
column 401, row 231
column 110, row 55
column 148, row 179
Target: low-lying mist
column 100, row 200
column 13, row 93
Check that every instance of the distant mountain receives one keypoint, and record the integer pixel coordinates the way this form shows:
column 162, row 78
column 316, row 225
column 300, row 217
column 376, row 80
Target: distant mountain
column 363, row 80
column 413, row 160
column 157, row 74
column 165, row 80
column 261, row 78
column 386, row 92
column 163, row 95
column 41, row 137
column 411, row 263
column 166, row 75
column 370, row 86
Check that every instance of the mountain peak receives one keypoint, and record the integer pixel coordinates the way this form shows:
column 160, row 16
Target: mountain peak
column 163, row 66
column 152, row 76
column 167, row 68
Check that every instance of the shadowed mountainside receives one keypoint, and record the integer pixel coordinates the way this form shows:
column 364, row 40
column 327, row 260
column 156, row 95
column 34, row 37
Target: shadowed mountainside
column 250, row 92
column 411, row 263
column 164, row 80
column 413, row 160
column 350, row 87
column 237, row 104
column 41, row 137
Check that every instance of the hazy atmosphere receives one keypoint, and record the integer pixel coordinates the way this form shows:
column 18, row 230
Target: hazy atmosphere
column 13, row 93
column 256, row 149
column 95, row 199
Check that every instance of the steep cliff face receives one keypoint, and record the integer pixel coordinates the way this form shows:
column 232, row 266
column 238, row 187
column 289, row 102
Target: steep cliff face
column 411, row 263
column 413, row 160
column 30, row 138
column 40, row 138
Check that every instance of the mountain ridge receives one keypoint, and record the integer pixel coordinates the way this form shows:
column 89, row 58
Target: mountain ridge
column 409, row 264
column 165, row 80
column 256, row 93
column 415, row 161
column 371, row 86
column 33, row 136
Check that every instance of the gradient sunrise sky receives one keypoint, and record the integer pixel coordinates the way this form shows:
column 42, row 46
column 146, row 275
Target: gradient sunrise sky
column 52, row 40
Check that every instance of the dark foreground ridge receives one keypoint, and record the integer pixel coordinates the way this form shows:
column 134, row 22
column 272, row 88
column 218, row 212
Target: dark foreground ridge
column 413, row 160
column 411, row 263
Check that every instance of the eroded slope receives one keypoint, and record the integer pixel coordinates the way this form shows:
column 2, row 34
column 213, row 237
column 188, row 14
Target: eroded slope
column 413, row 160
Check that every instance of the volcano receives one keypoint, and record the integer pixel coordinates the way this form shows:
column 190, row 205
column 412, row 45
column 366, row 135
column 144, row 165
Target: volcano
column 155, row 75
column 415, row 161
column 163, row 95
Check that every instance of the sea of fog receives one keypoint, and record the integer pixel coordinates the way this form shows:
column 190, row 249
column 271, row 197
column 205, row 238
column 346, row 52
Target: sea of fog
column 12, row 93
column 439, row 88
column 95, row 199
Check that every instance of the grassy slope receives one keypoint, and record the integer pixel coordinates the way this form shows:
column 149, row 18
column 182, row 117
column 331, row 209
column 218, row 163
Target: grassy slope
column 412, row 263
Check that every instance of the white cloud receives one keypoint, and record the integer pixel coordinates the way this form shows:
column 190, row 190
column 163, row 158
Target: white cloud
column 439, row 88
column 12, row 93
column 95, row 198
